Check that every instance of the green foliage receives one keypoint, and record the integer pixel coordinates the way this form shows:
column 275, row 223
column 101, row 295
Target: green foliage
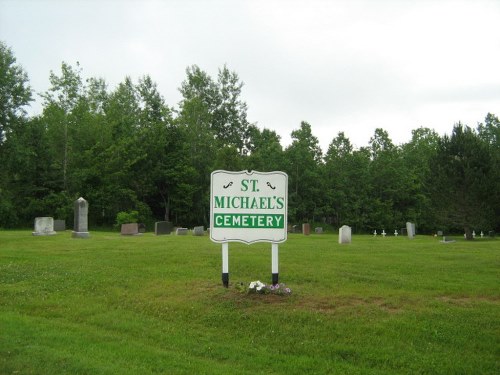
column 15, row 92
column 461, row 180
column 114, row 305
column 126, row 149
column 127, row 217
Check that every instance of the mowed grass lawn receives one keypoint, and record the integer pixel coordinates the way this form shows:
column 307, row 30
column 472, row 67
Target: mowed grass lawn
column 156, row 305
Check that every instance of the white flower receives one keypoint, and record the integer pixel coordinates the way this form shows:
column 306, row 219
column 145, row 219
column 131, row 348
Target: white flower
column 252, row 285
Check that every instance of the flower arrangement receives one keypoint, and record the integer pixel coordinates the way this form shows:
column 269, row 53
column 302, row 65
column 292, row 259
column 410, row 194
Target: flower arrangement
column 258, row 287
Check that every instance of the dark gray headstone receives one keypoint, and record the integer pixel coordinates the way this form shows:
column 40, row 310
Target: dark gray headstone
column 199, row 231
column 163, row 227
column 142, row 228
column 81, row 228
column 59, row 225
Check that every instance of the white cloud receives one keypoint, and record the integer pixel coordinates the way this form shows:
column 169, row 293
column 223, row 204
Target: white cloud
column 346, row 66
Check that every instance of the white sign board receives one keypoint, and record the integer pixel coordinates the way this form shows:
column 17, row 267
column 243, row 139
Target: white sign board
column 248, row 207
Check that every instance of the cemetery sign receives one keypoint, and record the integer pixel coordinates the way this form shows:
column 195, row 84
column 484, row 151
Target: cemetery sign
column 248, row 207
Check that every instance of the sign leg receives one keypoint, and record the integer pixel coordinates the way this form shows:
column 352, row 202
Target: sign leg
column 274, row 261
column 225, row 264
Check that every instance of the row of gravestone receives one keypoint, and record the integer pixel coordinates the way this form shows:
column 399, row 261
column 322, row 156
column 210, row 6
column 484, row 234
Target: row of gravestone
column 161, row 228
column 306, row 230
column 45, row 226
column 345, row 232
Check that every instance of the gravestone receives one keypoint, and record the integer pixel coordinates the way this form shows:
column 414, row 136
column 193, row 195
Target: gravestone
column 129, row 229
column 306, row 229
column 383, row 233
column 81, row 228
column 345, row 234
column 375, row 233
column 163, row 227
column 403, row 231
column 181, row 231
column 439, row 232
column 199, row 231
column 447, row 240
column 44, row 226
column 318, row 230
column 396, row 233
column 295, row 229
column 142, row 228
column 410, row 229
column 59, row 225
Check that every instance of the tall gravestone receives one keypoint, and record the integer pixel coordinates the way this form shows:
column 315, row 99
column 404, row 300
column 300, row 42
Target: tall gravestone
column 345, row 234
column 306, row 229
column 44, row 226
column 410, row 230
column 81, row 227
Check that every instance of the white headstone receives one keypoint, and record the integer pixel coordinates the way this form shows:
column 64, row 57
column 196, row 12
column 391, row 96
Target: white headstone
column 410, row 229
column 345, row 234
column 375, row 233
column 396, row 233
column 44, row 226
column 181, row 231
column 383, row 232
column 482, row 234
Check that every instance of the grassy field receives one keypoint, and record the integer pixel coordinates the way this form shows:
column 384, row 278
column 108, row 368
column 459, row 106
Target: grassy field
column 156, row 305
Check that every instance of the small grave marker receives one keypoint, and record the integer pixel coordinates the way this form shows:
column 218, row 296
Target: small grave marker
column 344, row 234
column 163, row 227
column 59, row 225
column 44, row 226
column 199, row 231
column 181, row 231
column 129, row 229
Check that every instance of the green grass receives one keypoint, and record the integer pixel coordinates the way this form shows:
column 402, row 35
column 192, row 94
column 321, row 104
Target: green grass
column 153, row 305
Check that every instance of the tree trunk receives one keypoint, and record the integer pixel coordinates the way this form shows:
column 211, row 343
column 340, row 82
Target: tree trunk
column 468, row 234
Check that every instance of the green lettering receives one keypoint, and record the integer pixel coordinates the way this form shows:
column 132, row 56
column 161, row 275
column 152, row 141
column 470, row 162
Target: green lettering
column 219, row 202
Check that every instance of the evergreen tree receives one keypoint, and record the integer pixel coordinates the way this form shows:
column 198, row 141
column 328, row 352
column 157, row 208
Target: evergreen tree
column 461, row 173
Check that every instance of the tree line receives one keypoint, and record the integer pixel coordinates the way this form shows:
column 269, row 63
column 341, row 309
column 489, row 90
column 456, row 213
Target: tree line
column 126, row 149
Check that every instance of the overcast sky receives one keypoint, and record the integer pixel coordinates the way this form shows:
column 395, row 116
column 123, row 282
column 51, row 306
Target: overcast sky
column 347, row 66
